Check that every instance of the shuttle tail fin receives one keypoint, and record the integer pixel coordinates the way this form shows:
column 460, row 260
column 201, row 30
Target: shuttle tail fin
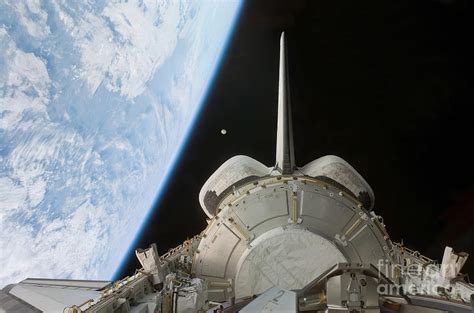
column 285, row 155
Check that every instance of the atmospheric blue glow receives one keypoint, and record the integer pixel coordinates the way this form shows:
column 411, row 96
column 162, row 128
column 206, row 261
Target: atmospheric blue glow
column 185, row 138
column 97, row 100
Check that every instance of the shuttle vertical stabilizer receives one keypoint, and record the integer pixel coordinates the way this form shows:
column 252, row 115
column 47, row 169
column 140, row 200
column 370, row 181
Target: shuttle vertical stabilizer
column 285, row 155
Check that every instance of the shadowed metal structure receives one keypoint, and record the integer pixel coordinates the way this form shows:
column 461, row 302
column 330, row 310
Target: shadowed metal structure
column 279, row 239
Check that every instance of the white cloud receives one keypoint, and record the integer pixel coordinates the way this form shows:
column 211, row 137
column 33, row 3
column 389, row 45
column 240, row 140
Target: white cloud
column 71, row 233
column 12, row 196
column 72, row 194
column 32, row 17
column 123, row 46
column 24, row 82
column 54, row 251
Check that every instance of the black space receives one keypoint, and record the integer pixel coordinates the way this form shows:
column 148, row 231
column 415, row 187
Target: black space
column 386, row 85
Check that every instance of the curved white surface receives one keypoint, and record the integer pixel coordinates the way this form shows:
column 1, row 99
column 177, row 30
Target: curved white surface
column 285, row 257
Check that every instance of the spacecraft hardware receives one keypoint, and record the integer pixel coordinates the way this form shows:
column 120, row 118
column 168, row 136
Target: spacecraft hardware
column 279, row 239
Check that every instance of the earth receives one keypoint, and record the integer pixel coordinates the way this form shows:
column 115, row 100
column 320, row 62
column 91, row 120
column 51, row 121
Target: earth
column 97, row 99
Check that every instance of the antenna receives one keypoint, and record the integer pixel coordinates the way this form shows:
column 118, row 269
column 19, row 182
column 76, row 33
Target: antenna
column 285, row 155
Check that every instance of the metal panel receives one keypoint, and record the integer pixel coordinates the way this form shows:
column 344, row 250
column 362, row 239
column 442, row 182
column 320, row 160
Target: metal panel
column 12, row 304
column 218, row 254
column 52, row 299
column 326, row 210
column 262, row 206
column 86, row 284
column 234, row 259
column 367, row 246
column 274, row 300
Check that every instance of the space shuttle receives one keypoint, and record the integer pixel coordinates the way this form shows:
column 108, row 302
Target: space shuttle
column 279, row 238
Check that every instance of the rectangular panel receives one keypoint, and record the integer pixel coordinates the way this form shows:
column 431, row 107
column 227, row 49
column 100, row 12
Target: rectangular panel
column 325, row 209
column 86, row 284
column 262, row 206
column 219, row 251
column 367, row 246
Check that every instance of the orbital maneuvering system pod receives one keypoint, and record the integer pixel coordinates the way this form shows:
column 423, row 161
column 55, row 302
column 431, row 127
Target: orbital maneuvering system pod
column 282, row 238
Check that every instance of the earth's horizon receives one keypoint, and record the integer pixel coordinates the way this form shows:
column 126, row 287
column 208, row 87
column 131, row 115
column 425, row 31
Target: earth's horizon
column 96, row 102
